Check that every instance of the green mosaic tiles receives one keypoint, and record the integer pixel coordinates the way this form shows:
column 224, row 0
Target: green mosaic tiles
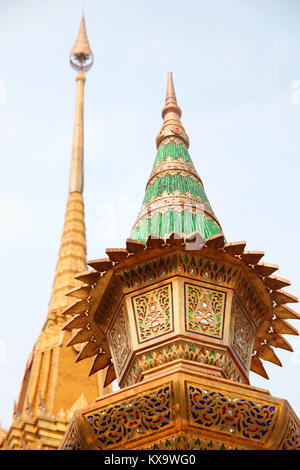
column 171, row 183
column 175, row 200
column 187, row 223
column 172, row 150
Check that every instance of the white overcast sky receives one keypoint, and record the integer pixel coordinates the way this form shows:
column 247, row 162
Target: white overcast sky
column 234, row 64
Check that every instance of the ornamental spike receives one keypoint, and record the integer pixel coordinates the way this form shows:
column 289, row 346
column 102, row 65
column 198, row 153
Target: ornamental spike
column 171, row 101
column 81, row 56
column 171, row 115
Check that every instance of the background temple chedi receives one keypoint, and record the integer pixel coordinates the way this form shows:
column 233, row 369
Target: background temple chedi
column 52, row 389
column 180, row 317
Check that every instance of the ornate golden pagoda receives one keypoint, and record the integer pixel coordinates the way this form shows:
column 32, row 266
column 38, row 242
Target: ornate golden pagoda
column 180, row 317
column 51, row 389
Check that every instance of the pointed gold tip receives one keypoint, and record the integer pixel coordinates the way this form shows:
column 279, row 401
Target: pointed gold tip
column 171, row 102
column 170, row 96
column 171, row 113
column 81, row 56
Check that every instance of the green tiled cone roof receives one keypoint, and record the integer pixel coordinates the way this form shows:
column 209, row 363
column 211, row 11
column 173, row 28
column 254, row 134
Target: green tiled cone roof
column 175, row 200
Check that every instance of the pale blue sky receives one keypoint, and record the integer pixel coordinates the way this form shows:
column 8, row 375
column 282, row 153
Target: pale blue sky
column 234, row 63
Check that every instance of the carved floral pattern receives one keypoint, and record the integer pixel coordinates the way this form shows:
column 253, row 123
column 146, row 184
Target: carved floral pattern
column 204, row 310
column 154, row 313
column 133, row 418
column 119, row 337
column 242, row 335
column 187, row 350
column 72, row 442
column 292, row 438
column 198, row 267
column 230, row 414
column 187, row 441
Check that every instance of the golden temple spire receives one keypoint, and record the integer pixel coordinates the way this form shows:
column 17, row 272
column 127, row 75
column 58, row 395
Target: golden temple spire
column 49, row 389
column 72, row 254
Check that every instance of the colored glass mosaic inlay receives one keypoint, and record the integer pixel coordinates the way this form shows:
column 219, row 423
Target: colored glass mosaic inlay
column 171, row 183
column 242, row 335
column 133, row 418
column 231, row 414
column 292, row 437
column 154, row 313
column 72, row 442
column 119, row 337
column 185, row 223
column 172, row 150
column 175, row 200
column 187, row 441
column 204, row 310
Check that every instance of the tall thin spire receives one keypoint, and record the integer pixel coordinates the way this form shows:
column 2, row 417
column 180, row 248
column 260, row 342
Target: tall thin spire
column 76, row 171
column 81, row 59
column 175, row 200
column 72, row 254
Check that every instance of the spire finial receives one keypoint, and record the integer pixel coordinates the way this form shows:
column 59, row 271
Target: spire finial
column 171, row 114
column 81, row 56
column 171, row 102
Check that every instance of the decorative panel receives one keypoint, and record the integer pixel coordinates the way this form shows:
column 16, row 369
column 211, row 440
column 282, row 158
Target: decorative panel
column 188, row 441
column 217, row 359
column 198, row 267
column 242, row 335
column 72, row 442
column 119, row 338
column 212, row 414
column 230, row 413
column 143, row 414
column 291, row 440
column 153, row 312
column 204, row 310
